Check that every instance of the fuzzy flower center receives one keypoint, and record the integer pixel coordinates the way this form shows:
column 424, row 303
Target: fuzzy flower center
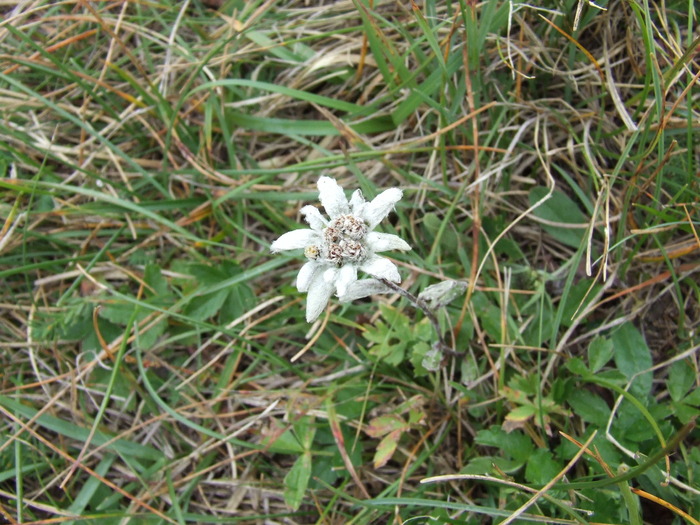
column 343, row 242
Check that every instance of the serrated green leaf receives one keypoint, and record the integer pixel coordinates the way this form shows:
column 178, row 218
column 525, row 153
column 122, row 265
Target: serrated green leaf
column 685, row 413
column 119, row 313
column 240, row 299
column 418, row 352
column 600, row 351
column 514, row 444
column 423, row 330
column 589, row 407
column 147, row 338
column 204, row 307
column 297, row 481
column 153, row 277
column 693, row 398
column 541, row 467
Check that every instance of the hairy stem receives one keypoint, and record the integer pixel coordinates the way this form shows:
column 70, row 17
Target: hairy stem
column 419, row 303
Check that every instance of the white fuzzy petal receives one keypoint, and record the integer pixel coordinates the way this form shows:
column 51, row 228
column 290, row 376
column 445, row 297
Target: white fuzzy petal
column 306, row 275
column 330, row 275
column 294, row 240
column 314, row 217
column 381, row 206
column 382, row 242
column 363, row 288
column 346, row 276
column 317, row 298
column 381, row 268
column 357, row 203
column 332, row 197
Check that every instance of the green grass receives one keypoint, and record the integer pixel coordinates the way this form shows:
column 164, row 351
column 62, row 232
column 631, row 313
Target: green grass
column 151, row 152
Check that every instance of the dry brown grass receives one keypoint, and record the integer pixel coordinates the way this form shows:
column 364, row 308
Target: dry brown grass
column 152, row 151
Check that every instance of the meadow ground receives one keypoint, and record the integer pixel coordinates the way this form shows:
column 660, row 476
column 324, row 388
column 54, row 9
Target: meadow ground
column 157, row 366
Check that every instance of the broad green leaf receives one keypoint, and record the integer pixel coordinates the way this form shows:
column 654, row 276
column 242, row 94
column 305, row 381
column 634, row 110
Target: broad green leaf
column 541, row 467
column 154, row 279
column 632, row 356
column 600, row 351
column 685, row 413
column 305, row 430
column 284, row 442
column 432, row 359
column 514, row 444
column 579, row 296
column 418, row 353
column 487, row 465
column 201, row 308
column 521, row 414
column 239, row 300
column 681, row 378
column 559, row 208
column 589, row 407
column 297, row 481
column 434, row 227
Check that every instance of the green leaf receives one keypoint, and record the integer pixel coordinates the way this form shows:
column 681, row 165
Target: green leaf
column 681, row 377
column 521, row 414
column 297, row 481
column 382, row 425
column 119, row 313
column 154, row 279
column 685, row 413
column 485, row 465
column 284, row 443
column 239, row 300
column 632, row 356
column 386, row 448
column 514, row 444
column 579, row 296
column 541, row 467
column 71, row 430
column 203, row 307
column 600, row 351
column 559, row 208
column 391, row 339
column 418, row 352
column 305, row 430
column 432, row 359
column 589, row 407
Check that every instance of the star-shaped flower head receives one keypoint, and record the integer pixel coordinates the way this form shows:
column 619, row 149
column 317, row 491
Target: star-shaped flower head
column 337, row 248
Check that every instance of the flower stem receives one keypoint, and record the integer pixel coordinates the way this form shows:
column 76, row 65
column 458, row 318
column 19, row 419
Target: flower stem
column 419, row 303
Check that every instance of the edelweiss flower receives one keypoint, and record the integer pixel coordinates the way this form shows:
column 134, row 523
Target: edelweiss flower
column 339, row 247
